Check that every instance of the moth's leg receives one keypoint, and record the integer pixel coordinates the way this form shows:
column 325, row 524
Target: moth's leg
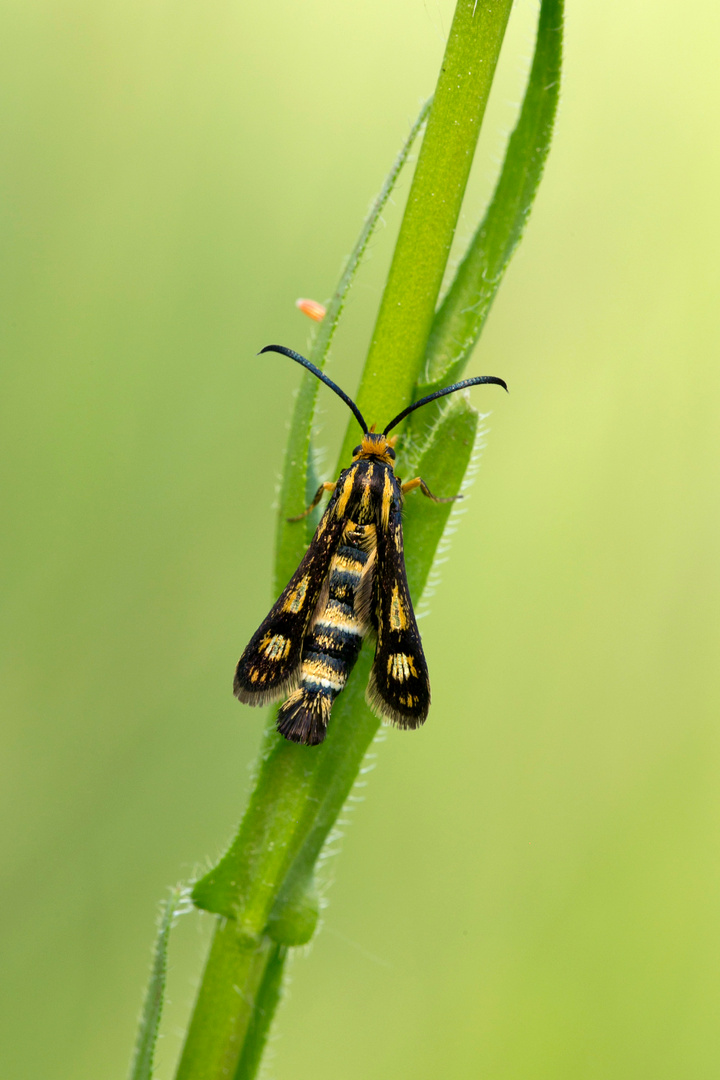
column 418, row 482
column 327, row 486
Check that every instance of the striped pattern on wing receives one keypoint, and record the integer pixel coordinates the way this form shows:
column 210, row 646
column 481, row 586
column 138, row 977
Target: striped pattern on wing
column 269, row 667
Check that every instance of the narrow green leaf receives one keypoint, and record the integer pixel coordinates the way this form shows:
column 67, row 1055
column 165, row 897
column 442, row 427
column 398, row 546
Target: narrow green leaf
column 292, row 538
column 446, row 453
column 142, row 1063
column 462, row 314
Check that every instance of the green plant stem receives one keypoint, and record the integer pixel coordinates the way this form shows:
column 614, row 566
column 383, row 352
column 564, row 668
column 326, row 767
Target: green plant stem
column 264, row 885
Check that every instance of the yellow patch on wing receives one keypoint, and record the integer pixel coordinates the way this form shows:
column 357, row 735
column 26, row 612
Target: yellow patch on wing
column 387, row 501
column 295, row 600
column 401, row 667
column 398, row 615
column 275, row 646
column 341, row 504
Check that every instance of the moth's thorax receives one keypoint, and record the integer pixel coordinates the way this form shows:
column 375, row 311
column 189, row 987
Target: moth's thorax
column 366, row 492
column 375, row 445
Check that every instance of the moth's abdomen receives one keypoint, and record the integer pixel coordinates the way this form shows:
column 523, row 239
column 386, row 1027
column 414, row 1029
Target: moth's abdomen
column 330, row 651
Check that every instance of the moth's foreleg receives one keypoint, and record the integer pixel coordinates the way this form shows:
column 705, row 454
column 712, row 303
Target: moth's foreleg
column 327, row 486
column 418, row 482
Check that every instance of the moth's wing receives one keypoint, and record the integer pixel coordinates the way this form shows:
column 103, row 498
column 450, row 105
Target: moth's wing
column 399, row 685
column 268, row 669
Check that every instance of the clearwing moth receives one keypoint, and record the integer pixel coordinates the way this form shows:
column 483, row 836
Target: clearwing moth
column 351, row 583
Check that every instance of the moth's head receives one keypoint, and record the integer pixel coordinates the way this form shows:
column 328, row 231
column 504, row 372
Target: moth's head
column 375, row 444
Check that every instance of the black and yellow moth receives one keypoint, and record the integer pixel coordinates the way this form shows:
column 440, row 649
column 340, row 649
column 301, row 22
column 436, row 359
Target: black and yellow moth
column 351, row 583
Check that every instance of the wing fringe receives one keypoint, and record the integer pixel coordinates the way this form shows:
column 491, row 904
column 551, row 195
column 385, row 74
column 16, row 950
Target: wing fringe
column 385, row 711
column 266, row 697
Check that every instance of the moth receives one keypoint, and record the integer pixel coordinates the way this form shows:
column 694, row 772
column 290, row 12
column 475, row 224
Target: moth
column 350, row 584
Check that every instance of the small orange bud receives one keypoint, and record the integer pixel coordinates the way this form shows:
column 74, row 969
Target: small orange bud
column 312, row 309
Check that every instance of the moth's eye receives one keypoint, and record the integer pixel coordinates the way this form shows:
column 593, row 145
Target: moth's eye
column 357, row 450
column 390, row 453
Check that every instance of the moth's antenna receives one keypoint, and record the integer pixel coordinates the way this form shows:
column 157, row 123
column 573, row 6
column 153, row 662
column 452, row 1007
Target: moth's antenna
column 323, row 378
column 441, row 393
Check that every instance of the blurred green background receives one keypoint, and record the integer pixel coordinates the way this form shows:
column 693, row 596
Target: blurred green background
column 531, row 886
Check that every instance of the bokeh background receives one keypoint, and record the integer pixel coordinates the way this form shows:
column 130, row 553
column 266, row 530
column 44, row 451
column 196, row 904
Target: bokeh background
column 531, row 885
